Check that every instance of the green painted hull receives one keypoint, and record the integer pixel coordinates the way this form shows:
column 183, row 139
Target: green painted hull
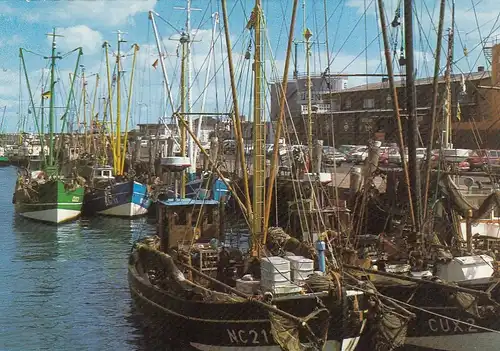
column 4, row 161
column 52, row 202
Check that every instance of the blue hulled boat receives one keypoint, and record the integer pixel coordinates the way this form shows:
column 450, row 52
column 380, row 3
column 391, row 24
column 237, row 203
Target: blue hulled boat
column 107, row 196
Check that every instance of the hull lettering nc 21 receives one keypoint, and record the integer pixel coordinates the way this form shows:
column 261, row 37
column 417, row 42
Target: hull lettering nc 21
column 248, row 337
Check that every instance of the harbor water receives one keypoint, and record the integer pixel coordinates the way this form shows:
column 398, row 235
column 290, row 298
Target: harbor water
column 65, row 288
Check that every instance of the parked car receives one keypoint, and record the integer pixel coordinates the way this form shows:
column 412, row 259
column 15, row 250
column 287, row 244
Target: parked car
column 358, row 155
column 481, row 159
column 332, row 156
column 395, row 156
column 456, row 157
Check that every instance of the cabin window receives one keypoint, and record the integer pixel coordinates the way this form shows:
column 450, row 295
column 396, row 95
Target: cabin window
column 368, row 103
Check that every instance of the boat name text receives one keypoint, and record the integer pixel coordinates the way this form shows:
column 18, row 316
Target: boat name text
column 444, row 325
column 251, row 336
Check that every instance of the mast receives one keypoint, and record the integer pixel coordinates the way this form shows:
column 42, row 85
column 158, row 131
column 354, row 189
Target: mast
column 119, row 154
column 447, row 144
column 307, row 36
column 412, row 129
column 259, row 157
column 52, row 97
column 84, row 93
column 186, row 38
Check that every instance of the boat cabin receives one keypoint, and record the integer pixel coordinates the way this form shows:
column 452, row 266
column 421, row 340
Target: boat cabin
column 184, row 222
column 103, row 173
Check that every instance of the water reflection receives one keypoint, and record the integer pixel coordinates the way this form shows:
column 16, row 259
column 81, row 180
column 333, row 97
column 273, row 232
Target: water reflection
column 65, row 287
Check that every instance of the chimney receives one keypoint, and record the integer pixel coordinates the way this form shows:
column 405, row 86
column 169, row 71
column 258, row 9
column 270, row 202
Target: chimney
column 480, row 69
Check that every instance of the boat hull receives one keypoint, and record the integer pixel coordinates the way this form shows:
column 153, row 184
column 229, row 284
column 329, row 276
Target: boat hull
column 446, row 326
column 51, row 202
column 4, row 161
column 127, row 199
column 230, row 326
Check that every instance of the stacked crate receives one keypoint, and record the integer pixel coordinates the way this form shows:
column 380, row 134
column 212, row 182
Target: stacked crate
column 301, row 268
column 275, row 276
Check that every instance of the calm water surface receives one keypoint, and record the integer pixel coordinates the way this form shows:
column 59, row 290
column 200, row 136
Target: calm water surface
column 65, row 288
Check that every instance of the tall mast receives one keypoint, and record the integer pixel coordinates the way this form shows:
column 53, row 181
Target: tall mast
column 412, row 129
column 258, row 136
column 447, row 77
column 52, row 97
column 118, row 105
column 307, row 36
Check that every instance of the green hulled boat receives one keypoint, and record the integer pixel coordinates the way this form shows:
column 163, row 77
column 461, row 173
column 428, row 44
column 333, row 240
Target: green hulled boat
column 48, row 199
column 47, row 195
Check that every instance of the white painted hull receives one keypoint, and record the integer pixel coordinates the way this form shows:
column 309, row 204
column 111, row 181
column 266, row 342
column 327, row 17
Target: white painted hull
column 55, row 215
column 125, row 210
column 459, row 342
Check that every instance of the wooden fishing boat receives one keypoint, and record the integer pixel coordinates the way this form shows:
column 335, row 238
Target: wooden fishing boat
column 200, row 308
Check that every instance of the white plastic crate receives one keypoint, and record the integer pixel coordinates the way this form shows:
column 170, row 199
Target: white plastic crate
column 280, row 288
column 300, row 263
column 277, row 277
column 274, row 264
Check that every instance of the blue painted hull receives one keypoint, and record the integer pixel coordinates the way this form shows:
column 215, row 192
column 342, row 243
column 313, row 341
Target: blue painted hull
column 127, row 199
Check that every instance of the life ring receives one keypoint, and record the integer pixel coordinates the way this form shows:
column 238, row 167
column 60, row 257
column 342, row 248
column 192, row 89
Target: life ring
column 30, row 151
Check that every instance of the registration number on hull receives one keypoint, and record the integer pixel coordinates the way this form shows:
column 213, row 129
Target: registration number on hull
column 248, row 337
column 452, row 326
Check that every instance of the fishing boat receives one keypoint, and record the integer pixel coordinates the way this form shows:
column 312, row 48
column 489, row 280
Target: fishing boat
column 111, row 192
column 4, row 159
column 46, row 194
column 108, row 196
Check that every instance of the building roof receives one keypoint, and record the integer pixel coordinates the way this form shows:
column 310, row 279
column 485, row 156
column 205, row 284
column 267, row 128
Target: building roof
column 421, row 81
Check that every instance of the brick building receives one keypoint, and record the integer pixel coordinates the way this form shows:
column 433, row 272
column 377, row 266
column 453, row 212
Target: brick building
column 356, row 114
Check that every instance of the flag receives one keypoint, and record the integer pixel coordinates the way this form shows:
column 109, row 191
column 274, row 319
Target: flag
column 155, row 64
column 462, row 84
column 459, row 112
column 46, row 95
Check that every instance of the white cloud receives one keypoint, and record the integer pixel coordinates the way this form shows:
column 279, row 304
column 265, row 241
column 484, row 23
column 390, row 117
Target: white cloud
column 79, row 36
column 103, row 12
column 14, row 40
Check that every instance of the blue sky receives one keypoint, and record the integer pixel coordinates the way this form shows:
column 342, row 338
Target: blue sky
column 352, row 26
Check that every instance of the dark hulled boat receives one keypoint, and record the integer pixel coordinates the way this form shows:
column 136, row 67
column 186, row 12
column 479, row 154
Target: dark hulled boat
column 206, row 307
column 108, row 196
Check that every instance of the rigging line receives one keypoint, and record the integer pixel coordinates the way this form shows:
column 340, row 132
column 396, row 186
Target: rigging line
column 477, row 24
column 168, row 23
column 493, row 30
column 379, row 44
column 433, row 313
column 366, row 40
column 283, row 22
column 349, row 36
column 34, row 53
column 335, row 36
column 357, row 56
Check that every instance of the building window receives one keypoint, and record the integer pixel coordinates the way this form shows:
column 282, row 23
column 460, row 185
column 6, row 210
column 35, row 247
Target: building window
column 368, row 103
column 348, row 104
